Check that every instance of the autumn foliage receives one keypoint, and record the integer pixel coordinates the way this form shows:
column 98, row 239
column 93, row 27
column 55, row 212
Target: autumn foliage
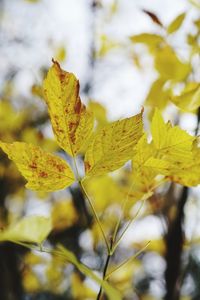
column 112, row 172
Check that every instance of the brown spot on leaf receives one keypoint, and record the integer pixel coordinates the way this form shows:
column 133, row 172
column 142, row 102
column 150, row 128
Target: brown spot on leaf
column 72, row 126
column 77, row 107
column 58, row 129
column 43, row 174
column 61, row 74
column 33, row 165
column 87, row 166
column 60, row 168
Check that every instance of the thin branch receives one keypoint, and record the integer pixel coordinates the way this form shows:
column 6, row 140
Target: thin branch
column 105, row 269
column 122, row 214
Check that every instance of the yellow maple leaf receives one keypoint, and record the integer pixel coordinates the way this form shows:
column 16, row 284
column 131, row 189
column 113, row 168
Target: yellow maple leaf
column 188, row 173
column 143, row 178
column 113, row 145
column 172, row 153
column 176, row 154
column 72, row 123
column 43, row 170
column 173, row 142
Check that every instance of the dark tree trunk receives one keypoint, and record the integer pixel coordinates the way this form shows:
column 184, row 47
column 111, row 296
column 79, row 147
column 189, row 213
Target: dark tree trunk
column 174, row 240
column 10, row 275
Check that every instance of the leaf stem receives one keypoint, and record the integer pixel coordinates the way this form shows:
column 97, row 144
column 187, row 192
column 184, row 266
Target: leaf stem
column 121, row 215
column 80, row 181
column 95, row 214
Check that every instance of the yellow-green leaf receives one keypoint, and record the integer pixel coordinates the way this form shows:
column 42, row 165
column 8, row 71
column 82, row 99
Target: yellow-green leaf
column 175, row 155
column 32, row 229
column 149, row 39
column 176, row 23
column 189, row 99
column 158, row 130
column 170, row 66
column 157, row 165
column 158, row 96
column 43, row 171
column 111, row 292
column 173, row 142
column 188, row 173
column 72, row 123
column 143, row 179
column 113, row 145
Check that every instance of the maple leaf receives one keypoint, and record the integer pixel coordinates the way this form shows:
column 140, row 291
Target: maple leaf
column 143, row 178
column 113, row 145
column 43, row 170
column 174, row 154
column 173, row 142
column 72, row 123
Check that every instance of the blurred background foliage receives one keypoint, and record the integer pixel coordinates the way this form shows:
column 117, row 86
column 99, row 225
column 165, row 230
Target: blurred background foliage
column 152, row 60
